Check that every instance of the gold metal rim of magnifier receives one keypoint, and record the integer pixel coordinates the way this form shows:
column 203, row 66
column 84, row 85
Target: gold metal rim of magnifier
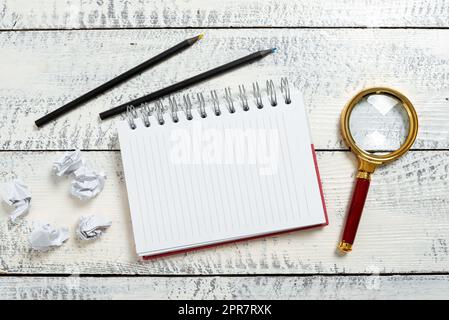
column 364, row 155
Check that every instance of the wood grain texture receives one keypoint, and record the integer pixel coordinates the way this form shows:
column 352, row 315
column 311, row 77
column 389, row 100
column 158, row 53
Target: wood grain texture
column 196, row 288
column 405, row 223
column 40, row 71
column 404, row 227
column 50, row 14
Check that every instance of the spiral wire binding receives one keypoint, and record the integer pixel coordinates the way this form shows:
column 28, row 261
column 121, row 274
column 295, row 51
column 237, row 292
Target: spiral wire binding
column 187, row 107
column 243, row 97
column 131, row 114
column 285, row 90
column 201, row 105
column 159, row 109
column 215, row 102
column 271, row 92
column 229, row 100
column 145, row 113
column 257, row 95
column 173, row 105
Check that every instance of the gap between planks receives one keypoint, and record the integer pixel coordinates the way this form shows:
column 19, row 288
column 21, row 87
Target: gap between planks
column 225, row 28
column 118, row 150
column 226, row 275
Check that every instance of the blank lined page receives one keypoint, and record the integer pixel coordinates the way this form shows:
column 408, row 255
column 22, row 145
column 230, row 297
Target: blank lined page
column 220, row 178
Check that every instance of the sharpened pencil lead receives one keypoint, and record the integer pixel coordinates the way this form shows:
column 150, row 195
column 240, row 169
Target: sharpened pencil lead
column 195, row 39
column 274, row 49
column 264, row 53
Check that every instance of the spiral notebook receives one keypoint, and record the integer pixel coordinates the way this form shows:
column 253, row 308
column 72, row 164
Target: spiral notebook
column 202, row 170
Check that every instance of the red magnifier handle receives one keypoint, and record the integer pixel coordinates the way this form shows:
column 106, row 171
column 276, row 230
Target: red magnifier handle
column 354, row 214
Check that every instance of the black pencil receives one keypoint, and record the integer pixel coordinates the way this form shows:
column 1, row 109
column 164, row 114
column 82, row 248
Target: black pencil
column 186, row 83
column 117, row 80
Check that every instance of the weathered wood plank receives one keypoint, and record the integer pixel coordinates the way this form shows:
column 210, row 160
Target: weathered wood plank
column 50, row 14
column 404, row 227
column 39, row 71
column 309, row 287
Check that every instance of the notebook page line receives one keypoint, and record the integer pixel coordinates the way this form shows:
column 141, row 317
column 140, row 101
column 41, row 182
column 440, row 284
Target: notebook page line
column 244, row 192
column 178, row 220
column 292, row 185
column 293, row 171
column 137, row 192
column 215, row 196
column 148, row 208
column 235, row 182
column 280, row 209
column 290, row 213
column 151, row 204
column 157, row 166
column 136, row 214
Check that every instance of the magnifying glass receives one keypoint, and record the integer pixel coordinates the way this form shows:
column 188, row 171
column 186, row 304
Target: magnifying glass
column 379, row 125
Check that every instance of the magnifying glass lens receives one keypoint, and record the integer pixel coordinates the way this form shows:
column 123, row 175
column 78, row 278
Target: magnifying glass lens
column 379, row 123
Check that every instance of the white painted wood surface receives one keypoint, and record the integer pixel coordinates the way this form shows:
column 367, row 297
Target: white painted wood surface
column 50, row 14
column 229, row 288
column 404, row 227
column 405, row 223
column 40, row 71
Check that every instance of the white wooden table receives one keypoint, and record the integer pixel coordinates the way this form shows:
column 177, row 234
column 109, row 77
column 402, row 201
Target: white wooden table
column 52, row 51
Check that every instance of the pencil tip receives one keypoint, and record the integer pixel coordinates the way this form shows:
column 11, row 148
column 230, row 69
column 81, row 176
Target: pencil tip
column 195, row 39
column 264, row 53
